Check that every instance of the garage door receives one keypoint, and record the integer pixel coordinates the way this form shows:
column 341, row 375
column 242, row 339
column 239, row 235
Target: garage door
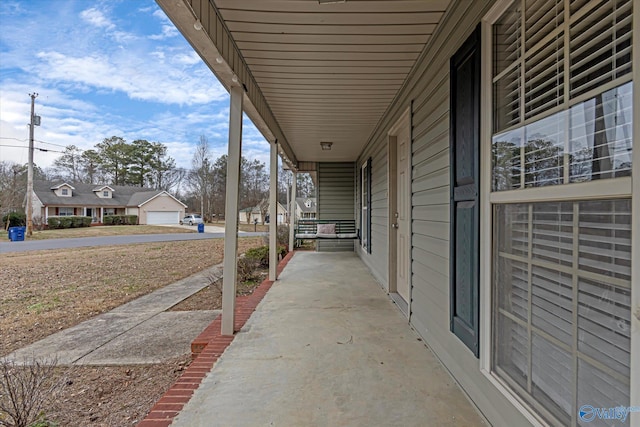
column 157, row 217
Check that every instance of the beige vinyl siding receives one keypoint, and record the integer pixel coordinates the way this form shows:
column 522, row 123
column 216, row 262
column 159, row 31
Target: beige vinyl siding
column 427, row 92
column 336, row 200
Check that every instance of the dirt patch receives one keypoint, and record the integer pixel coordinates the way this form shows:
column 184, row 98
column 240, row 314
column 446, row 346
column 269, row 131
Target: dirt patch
column 210, row 297
column 110, row 395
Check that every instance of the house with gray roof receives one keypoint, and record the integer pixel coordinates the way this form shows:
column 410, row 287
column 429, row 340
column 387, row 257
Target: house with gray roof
column 305, row 208
column 51, row 199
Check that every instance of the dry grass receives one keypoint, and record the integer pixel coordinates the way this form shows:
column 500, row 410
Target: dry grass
column 46, row 291
column 106, row 230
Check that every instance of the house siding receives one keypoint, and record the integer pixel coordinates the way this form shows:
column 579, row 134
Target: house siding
column 427, row 94
column 161, row 203
column 336, row 193
column 377, row 260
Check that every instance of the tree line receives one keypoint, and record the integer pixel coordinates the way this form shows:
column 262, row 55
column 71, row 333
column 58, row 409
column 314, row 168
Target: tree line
column 115, row 161
column 207, row 183
column 141, row 163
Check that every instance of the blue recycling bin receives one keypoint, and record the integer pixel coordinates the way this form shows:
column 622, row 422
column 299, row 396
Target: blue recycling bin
column 16, row 234
column 200, row 228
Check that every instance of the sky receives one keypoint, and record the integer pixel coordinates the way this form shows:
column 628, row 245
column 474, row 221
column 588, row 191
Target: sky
column 105, row 68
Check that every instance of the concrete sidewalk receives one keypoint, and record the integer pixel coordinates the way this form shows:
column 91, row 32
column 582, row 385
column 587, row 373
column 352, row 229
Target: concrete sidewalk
column 327, row 347
column 139, row 332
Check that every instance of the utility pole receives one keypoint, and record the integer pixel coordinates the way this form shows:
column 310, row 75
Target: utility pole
column 35, row 121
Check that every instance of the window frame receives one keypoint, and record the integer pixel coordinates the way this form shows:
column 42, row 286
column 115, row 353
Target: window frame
column 66, row 210
column 365, row 206
column 600, row 189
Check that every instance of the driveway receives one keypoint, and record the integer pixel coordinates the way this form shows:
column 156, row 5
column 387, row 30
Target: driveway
column 38, row 245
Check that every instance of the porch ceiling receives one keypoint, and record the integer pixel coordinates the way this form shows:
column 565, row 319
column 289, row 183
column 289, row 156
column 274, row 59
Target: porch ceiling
column 327, row 72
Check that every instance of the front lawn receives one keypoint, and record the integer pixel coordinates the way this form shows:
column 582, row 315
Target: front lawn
column 105, row 230
column 45, row 291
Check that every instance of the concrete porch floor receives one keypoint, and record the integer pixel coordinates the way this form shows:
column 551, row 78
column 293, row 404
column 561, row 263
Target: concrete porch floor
column 327, row 347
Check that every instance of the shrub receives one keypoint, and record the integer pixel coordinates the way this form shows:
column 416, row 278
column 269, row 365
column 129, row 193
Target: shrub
column 259, row 255
column 66, row 222
column 15, row 219
column 56, row 222
column 282, row 234
column 120, row 220
column 247, row 268
column 24, row 391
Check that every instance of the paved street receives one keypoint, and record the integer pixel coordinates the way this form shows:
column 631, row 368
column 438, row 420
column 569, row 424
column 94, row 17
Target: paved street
column 37, row 245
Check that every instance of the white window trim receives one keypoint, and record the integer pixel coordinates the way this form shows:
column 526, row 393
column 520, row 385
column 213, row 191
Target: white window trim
column 635, row 232
column 621, row 187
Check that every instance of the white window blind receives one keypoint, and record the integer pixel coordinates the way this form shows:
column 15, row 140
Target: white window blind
column 563, row 276
column 529, row 58
column 600, row 43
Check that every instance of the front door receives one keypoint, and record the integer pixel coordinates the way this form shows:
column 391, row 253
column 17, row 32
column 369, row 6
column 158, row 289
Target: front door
column 89, row 213
column 403, row 146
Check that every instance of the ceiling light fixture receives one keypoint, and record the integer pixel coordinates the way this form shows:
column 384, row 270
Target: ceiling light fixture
column 331, row 1
column 326, row 145
column 219, row 59
column 197, row 25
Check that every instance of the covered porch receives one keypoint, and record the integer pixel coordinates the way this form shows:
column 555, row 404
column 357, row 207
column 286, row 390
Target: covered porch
column 426, row 124
column 326, row 346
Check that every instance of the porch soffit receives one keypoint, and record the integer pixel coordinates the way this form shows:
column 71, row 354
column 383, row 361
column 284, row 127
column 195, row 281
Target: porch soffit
column 327, row 72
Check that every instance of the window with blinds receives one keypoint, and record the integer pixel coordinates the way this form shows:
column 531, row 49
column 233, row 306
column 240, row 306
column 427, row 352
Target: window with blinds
column 563, row 296
column 561, row 270
column 533, row 53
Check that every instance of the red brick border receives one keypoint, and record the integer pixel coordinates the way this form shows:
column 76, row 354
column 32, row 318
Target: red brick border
column 206, row 349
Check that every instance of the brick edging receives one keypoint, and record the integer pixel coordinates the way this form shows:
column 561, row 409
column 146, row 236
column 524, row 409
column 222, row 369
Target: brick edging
column 208, row 347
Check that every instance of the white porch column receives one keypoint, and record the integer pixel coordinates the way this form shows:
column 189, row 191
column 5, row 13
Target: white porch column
column 230, row 263
column 273, row 212
column 292, row 210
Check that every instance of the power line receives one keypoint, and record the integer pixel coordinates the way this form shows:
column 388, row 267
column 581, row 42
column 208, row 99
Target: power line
column 35, row 148
column 50, row 143
column 35, row 140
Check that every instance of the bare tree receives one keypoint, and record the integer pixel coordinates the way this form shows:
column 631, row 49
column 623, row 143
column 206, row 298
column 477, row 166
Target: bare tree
column 70, row 163
column 201, row 175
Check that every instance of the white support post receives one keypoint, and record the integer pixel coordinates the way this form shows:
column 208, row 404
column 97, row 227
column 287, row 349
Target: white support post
column 273, row 212
column 230, row 271
column 292, row 210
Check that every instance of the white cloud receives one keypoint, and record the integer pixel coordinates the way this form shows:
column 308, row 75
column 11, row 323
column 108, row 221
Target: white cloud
column 95, row 17
column 90, row 61
column 190, row 58
column 168, row 31
column 132, row 75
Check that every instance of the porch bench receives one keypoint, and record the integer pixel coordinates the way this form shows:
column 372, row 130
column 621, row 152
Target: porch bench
column 311, row 229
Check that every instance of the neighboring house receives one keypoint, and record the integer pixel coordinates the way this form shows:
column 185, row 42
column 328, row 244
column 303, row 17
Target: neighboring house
column 249, row 215
column 305, row 208
column 486, row 150
column 95, row 201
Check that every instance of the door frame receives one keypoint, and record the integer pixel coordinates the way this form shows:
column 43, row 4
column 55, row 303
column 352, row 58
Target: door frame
column 405, row 119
